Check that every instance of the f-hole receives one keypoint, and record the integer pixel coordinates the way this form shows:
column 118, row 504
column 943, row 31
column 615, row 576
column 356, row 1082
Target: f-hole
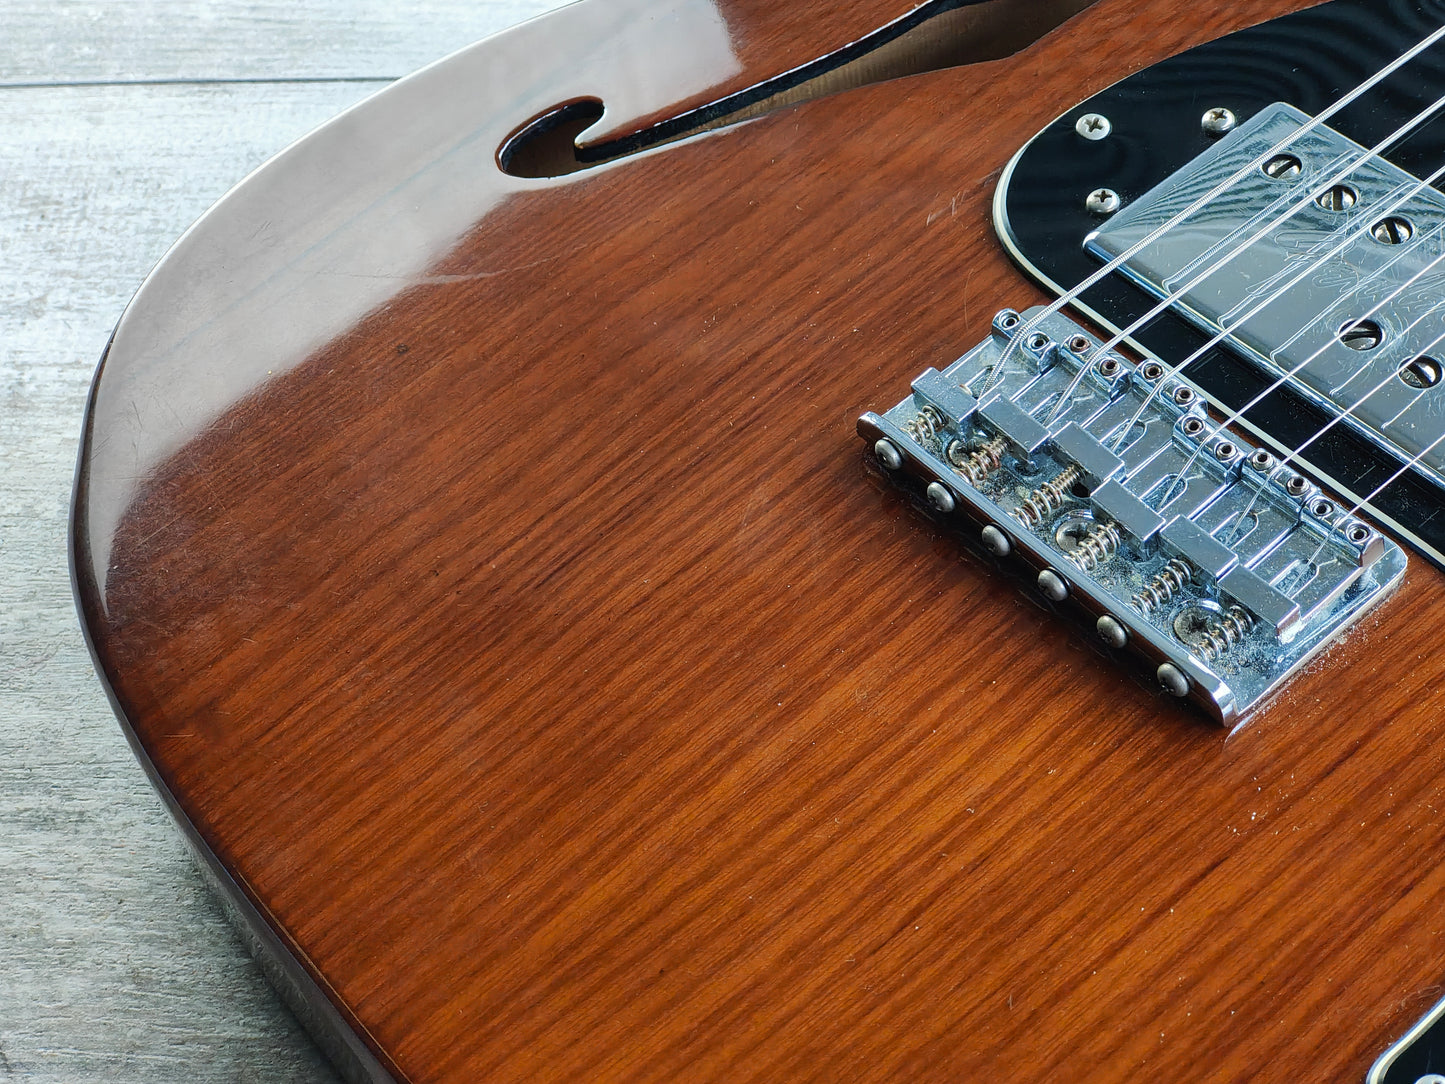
column 937, row 34
column 546, row 146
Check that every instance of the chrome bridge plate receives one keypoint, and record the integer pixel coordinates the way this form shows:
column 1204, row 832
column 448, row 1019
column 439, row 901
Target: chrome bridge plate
column 1202, row 554
column 1341, row 297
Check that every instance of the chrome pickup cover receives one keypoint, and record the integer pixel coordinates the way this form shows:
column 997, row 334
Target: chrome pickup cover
column 1371, row 248
column 1220, row 566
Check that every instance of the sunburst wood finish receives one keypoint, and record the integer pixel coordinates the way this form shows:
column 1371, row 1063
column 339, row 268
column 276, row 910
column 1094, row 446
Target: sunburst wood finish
column 539, row 653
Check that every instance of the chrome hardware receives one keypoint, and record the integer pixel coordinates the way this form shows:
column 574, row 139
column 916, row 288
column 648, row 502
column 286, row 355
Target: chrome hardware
column 996, row 542
column 977, row 466
column 1199, row 552
column 1172, row 680
column 1094, row 127
column 1111, row 632
column 1103, row 201
column 1163, row 587
column 1223, row 634
column 1098, row 547
column 1047, row 499
column 1218, row 121
column 1052, row 587
column 941, row 498
column 1340, row 328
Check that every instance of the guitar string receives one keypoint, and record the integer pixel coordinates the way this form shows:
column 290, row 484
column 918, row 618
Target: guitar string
column 1310, row 198
column 1367, row 498
column 1170, row 496
column 1118, row 261
column 1403, row 197
column 1290, row 457
column 1385, row 381
column 1351, row 235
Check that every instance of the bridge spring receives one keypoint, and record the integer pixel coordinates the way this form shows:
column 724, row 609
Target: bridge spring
column 1047, row 499
column 1223, row 634
column 1166, row 584
column 977, row 465
column 924, row 428
column 1098, row 547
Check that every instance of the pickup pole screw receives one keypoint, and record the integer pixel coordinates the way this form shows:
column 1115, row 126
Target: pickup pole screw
column 888, row 454
column 1103, row 201
column 1219, row 121
column 1053, row 586
column 1111, row 632
column 1172, row 680
column 940, row 497
column 996, row 542
column 1094, row 127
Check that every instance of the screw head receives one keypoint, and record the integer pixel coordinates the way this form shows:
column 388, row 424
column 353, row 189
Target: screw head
column 1094, row 127
column 1052, row 585
column 1103, row 201
column 1172, row 680
column 940, row 497
column 996, row 542
column 1112, row 632
column 888, row 454
column 1218, row 121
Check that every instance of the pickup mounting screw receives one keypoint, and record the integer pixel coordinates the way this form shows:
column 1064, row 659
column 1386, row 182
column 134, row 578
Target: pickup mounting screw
column 940, row 497
column 1052, row 585
column 1112, row 632
column 1094, row 127
column 996, row 542
column 1172, row 680
column 1218, row 121
column 1103, row 201
column 888, row 454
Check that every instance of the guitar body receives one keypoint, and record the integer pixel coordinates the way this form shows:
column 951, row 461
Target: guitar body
column 489, row 572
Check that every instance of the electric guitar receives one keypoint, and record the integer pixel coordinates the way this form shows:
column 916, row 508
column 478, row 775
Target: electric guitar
column 473, row 530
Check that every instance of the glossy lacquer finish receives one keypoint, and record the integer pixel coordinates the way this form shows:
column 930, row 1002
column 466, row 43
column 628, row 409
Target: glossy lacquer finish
column 491, row 572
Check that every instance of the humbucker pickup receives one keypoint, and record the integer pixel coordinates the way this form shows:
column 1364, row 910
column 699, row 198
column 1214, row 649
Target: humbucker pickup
column 1222, row 567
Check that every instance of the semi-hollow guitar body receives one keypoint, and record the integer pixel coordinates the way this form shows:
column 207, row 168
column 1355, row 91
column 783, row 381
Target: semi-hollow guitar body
column 473, row 531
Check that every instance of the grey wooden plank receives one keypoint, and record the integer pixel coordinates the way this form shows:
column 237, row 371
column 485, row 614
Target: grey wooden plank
column 99, row 40
column 114, row 963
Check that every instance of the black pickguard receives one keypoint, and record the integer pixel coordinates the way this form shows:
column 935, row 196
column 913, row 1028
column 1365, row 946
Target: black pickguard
column 1309, row 59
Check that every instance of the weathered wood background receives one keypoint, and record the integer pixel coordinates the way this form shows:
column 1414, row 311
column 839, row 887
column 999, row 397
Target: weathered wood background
column 120, row 122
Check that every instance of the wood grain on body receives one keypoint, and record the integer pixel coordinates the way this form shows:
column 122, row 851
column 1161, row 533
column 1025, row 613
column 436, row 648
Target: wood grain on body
column 543, row 656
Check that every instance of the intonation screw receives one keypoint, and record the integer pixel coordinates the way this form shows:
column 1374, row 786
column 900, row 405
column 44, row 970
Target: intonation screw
column 1094, row 126
column 1218, row 121
column 941, row 498
column 1052, row 586
column 1172, row 680
column 996, row 542
column 1103, row 201
column 888, row 454
column 1113, row 633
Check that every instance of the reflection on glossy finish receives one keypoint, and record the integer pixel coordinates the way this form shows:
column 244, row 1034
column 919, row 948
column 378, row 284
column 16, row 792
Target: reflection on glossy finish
column 488, row 568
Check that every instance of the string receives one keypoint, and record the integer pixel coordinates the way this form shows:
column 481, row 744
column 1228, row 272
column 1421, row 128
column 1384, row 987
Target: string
column 1128, row 254
column 1310, row 198
column 1290, row 457
column 1350, row 237
column 1355, row 511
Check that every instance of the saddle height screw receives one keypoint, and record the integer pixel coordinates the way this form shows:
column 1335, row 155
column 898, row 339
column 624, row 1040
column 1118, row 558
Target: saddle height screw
column 1103, row 201
column 1094, row 127
column 1218, row 121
